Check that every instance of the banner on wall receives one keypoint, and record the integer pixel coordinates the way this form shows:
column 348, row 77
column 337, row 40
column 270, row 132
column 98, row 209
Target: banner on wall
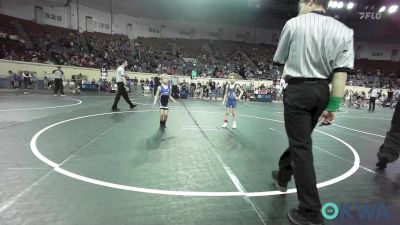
column 54, row 3
column 190, row 60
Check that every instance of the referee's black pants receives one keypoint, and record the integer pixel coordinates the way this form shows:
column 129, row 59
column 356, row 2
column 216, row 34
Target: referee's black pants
column 121, row 91
column 390, row 148
column 58, row 85
column 372, row 101
column 304, row 102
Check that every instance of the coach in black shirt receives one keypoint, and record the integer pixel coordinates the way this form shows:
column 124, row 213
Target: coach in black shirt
column 213, row 89
column 312, row 46
column 157, row 83
column 389, row 98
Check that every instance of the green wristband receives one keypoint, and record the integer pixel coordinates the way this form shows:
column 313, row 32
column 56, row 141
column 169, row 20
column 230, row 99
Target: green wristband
column 333, row 104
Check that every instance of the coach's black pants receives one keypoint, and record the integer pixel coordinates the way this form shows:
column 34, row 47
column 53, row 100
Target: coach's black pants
column 304, row 102
column 58, row 85
column 155, row 89
column 121, row 91
column 390, row 149
column 27, row 82
column 372, row 101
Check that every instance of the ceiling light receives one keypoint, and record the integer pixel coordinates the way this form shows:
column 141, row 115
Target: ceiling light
column 350, row 5
column 393, row 9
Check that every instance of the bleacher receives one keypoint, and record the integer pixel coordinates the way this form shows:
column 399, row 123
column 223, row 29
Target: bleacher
column 63, row 46
column 11, row 45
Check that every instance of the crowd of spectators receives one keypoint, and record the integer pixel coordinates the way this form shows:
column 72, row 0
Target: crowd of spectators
column 360, row 99
column 12, row 47
column 154, row 56
column 376, row 79
column 107, row 48
column 207, row 58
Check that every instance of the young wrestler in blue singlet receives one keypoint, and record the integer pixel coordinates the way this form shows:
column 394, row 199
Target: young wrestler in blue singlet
column 231, row 98
column 164, row 91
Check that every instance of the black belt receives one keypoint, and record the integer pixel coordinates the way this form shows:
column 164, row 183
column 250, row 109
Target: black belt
column 298, row 80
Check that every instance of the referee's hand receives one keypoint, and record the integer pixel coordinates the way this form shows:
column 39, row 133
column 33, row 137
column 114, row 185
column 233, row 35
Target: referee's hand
column 327, row 118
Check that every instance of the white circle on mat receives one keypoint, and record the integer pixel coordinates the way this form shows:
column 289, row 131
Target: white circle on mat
column 49, row 107
column 60, row 170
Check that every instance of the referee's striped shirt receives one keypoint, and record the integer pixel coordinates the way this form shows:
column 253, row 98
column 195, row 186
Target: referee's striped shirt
column 314, row 46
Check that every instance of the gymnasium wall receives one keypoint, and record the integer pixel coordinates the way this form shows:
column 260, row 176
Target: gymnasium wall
column 91, row 73
column 44, row 69
column 148, row 27
column 141, row 27
column 377, row 51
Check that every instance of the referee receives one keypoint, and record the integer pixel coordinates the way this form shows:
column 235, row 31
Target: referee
column 373, row 94
column 390, row 149
column 120, row 79
column 58, row 81
column 314, row 48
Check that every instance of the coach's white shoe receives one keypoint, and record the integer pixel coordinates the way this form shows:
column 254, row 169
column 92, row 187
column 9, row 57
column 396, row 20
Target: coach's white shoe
column 225, row 125
column 234, row 125
column 55, row 94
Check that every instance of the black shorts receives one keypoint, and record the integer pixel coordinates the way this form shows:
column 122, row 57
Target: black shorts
column 164, row 102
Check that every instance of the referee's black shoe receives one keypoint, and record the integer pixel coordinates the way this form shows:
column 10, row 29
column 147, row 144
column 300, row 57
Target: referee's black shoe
column 115, row 110
column 133, row 106
column 281, row 188
column 382, row 163
column 301, row 217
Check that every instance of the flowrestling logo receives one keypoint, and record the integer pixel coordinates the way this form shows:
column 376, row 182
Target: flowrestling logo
column 370, row 15
column 356, row 212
